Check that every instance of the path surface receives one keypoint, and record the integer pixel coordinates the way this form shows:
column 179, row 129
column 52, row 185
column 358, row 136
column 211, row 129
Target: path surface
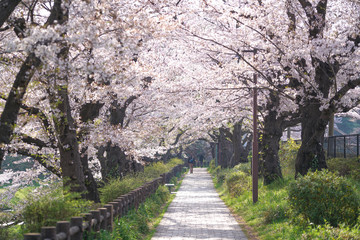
column 197, row 212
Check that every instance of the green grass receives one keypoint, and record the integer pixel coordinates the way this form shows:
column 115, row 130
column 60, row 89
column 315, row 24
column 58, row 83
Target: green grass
column 141, row 223
column 271, row 217
column 43, row 209
column 268, row 216
column 116, row 187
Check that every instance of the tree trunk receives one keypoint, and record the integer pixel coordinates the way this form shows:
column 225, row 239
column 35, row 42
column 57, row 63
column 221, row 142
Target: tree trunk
column 274, row 125
column 311, row 153
column 70, row 163
column 270, row 141
column 90, row 183
column 225, row 148
column 112, row 161
column 6, row 8
column 237, row 144
column 14, row 100
column 241, row 145
column 115, row 163
column 331, row 125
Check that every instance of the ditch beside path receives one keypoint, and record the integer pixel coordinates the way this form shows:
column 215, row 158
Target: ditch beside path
column 197, row 212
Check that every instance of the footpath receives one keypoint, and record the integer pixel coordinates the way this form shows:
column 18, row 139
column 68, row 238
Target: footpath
column 197, row 212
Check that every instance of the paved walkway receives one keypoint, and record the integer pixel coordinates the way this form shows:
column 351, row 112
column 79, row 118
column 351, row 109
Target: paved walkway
column 197, row 212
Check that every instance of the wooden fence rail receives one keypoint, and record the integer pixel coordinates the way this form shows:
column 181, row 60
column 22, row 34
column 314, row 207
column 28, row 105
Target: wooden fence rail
column 102, row 218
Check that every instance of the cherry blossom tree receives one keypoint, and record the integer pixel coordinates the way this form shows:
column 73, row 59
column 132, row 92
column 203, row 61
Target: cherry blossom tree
column 308, row 63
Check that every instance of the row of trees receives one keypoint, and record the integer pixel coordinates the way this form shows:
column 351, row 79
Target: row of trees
column 90, row 88
column 305, row 54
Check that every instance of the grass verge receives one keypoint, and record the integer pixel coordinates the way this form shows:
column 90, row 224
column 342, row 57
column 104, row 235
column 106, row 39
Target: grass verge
column 271, row 217
column 141, row 223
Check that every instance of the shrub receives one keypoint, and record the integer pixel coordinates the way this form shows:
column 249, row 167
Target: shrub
column 220, row 174
column 174, row 162
column 237, row 183
column 244, row 167
column 45, row 206
column 287, row 156
column 117, row 187
column 275, row 213
column 345, row 166
column 328, row 232
column 212, row 166
column 13, row 232
column 135, row 225
column 163, row 194
column 323, row 196
column 156, row 169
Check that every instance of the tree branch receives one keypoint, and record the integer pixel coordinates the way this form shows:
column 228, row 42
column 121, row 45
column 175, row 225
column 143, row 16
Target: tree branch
column 261, row 34
column 339, row 94
column 42, row 159
column 6, row 9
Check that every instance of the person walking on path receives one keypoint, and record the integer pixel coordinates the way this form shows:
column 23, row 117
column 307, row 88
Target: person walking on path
column 197, row 212
column 191, row 163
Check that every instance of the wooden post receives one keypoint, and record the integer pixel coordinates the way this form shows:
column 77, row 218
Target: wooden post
column 87, row 218
column 136, row 198
column 77, row 221
column 103, row 223
column 32, row 236
column 121, row 206
column 63, row 227
column 140, row 195
column 96, row 215
column 48, row 232
column 126, row 203
column 130, row 198
column 109, row 209
column 115, row 208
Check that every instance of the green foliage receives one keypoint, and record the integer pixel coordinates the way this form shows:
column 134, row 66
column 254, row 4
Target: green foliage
column 243, row 167
column 135, row 225
column 212, row 166
column 117, row 187
column 50, row 204
column 156, row 169
column 275, row 213
column 237, row 183
column 174, row 162
column 22, row 194
column 221, row 174
column 328, row 232
column 323, row 196
column 272, row 216
column 13, row 232
column 249, row 157
column 287, row 156
column 345, row 166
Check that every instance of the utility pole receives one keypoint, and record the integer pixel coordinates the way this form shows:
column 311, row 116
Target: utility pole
column 255, row 146
column 255, row 154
